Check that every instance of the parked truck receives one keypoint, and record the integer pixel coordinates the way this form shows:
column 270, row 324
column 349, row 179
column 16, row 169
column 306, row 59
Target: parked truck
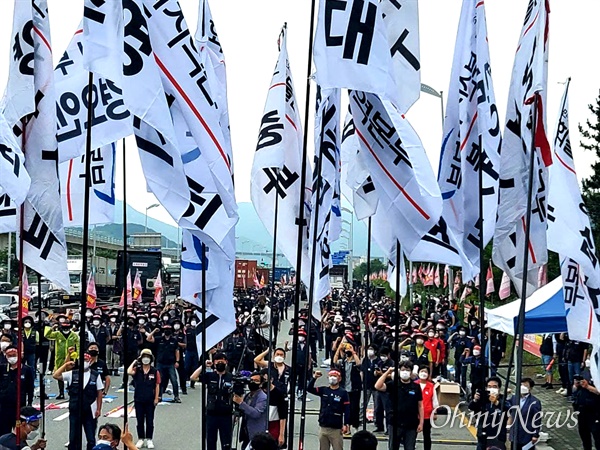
column 148, row 263
column 104, row 275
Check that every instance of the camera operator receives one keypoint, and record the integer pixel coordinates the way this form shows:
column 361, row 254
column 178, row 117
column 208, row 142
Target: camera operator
column 219, row 408
column 254, row 408
column 261, row 321
column 489, row 406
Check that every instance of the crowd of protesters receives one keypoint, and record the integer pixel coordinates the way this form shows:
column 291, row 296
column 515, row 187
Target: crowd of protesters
column 378, row 360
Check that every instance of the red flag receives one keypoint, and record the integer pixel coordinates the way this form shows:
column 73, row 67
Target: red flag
column 504, row 291
column 129, row 298
column 91, row 292
column 456, row 284
column 446, row 274
column 490, row 288
column 543, row 275
column 158, row 287
column 414, row 275
column 436, row 276
column 466, row 292
column 25, row 296
column 137, row 287
column 256, row 282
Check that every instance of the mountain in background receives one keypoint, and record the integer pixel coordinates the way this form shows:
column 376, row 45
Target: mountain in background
column 250, row 233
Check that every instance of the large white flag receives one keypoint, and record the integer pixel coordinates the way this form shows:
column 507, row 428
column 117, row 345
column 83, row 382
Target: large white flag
column 14, row 179
column 44, row 244
column 471, row 138
column 399, row 168
column 277, row 165
column 528, row 88
column 102, row 189
column 351, row 48
column 570, row 235
column 111, row 118
column 325, row 179
column 8, row 214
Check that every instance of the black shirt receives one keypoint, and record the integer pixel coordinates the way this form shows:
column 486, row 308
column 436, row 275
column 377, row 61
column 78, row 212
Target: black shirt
column 166, row 348
column 409, row 396
column 9, row 441
column 102, row 369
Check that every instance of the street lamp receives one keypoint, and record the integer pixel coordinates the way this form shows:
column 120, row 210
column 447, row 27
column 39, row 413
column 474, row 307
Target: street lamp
column 431, row 91
column 147, row 208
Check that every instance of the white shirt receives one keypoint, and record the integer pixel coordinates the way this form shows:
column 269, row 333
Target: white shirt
column 68, row 378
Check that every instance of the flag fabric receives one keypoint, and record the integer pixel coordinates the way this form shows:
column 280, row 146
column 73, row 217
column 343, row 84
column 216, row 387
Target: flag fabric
column 504, row 291
column 528, row 88
column 102, row 192
column 570, row 235
column 391, row 275
column 325, row 178
column 414, row 275
column 446, row 275
column 399, row 168
column 44, row 243
column 112, row 119
column 8, row 214
column 471, row 134
column 14, row 179
column 137, row 287
column 91, row 292
column 490, row 288
column 436, row 276
column 277, row 166
column 542, row 276
column 466, row 292
column 456, row 284
column 126, row 291
column 429, row 276
column 25, row 296
column 158, row 288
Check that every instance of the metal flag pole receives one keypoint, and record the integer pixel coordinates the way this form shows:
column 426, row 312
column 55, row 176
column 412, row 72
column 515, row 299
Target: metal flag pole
column 367, row 308
column 22, row 271
column 311, row 295
column 482, row 279
column 272, row 303
column 40, row 331
column 203, row 344
column 124, row 335
column 301, row 220
column 85, row 256
column 396, row 336
column 8, row 262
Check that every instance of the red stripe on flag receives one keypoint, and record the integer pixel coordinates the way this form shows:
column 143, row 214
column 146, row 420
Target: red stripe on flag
column 531, row 252
column 194, row 110
column 291, row 122
column 277, row 84
column 464, row 142
column 408, row 197
column 69, row 206
column 43, row 38
column 564, row 163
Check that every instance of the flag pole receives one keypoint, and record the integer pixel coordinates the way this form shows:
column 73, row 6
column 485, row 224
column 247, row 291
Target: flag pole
column 396, row 337
column 521, row 318
column 272, row 303
column 367, row 324
column 40, row 331
column 22, row 270
column 311, row 295
column 203, row 344
column 301, row 220
column 125, row 296
column 481, row 258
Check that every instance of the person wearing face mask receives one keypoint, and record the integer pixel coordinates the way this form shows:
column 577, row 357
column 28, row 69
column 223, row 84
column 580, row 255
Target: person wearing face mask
column 278, row 370
column 93, row 389
column 168, row 359
column 30, row 340
column 254, row 408
column 349, row 368
column 460, row 342
column 7, row 330
column 278, row 408
column 419, row 354
column 64, row 338
column 134, row 340
column 8, row 388
column 99, row 365
column 477, row 363
column 301, row 367
column 525, row 429
column 489, row 407
column 405, row 425
column 384, row 402
column 113, row 343
column 218, row 400
column 28, row 431
column 100, row 333
column 370, row 373
column 109, row 437
column 334, row 413
column 179, row 336
column 5, row 342
column 146, row 380
column 434, row 345
column 190, row 356
column 430, row 403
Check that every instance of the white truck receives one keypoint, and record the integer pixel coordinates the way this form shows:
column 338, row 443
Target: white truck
column 105, row 270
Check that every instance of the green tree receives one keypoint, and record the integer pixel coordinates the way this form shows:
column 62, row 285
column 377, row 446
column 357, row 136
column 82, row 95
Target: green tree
column 590, row 132
column 360, row 271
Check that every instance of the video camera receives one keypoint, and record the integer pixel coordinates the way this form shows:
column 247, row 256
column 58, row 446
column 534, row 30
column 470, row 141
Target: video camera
column 238, row 383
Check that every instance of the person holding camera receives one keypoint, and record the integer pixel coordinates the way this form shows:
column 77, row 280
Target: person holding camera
column 489, row 407
column 261, row 321
column 254, row 408
column 586, row 401
column 146, row 380
column 219, row 408
column 334, row 414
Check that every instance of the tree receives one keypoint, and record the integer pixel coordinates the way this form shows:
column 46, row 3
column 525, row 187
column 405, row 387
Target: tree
column 360, row 271
column 591, row 186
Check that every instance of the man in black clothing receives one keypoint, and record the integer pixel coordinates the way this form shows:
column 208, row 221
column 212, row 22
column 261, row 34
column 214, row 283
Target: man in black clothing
column 101, row 335
column 8, row 389
column 489, row 407
column 99, row 365
column 30, row 337
column 30, row 423
column 167, row 359
column 586, row 401
column 179, row 335
column 370, row 374
column 409, row 423
column 191, row 359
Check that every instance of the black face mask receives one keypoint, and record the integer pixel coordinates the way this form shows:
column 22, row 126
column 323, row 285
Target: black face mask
column 220, row 367
column 168, row 332
column 253, row 386
column 349, row 354
column 265, row 385
column 93, row 353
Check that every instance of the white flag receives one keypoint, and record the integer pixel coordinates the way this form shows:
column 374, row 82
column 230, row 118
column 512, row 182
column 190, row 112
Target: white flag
column 102, row 191
column 14, row 179
column 8, row 214
column 471, row 138
column 351, row 48
column 44, row 244
column 401, row 19
column 399, row 168
column 112, row 120
column 392, row 275
column 570, row 235
column 325, row 178
column 528, row 88
column 277, row 165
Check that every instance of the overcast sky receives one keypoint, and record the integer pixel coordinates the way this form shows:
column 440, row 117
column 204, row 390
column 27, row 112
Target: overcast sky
column 248, row 31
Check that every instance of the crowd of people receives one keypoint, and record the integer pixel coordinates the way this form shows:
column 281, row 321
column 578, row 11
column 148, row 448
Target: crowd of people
column 381, row 366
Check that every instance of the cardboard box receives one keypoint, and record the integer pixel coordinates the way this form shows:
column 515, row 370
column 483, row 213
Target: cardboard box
column 448, row 393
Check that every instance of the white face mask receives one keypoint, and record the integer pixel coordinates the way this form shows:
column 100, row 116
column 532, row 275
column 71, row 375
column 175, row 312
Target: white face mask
column 333, row 381
column 27, row 324
column 370, row 353
column 301, row 338
column 154, row 320
column 587, row 363
column 419, row 341
column 88, row 314
column 493, row 391
column 476, row 352
column 4, row 345
column 278, row 359
column 103, row 442
column 12, row 360
column 61, row 320
column 113, row 319
column 384, row 358
column 193, row 323
column 176, row 326
column 404, row 374
column 524, row 390
column 96, row 323
column 423, row 375
column 431, row 335
column 461, row 333
column 7, row 326
column 32, row 435
column 146, row 361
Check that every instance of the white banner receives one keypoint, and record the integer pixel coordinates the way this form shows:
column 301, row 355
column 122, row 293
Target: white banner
column 14, row 179
column 471, row 139
column 8, row 214
column 102, row 192
column 529, row 82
